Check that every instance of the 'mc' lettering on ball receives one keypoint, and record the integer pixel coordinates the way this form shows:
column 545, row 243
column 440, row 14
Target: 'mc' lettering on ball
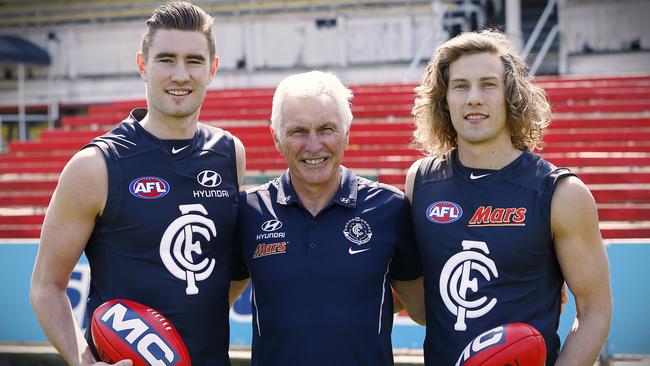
column 124, row 329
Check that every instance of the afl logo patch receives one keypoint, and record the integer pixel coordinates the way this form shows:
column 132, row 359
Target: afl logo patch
column 358, row 231
column 149, row 187
column 209, row 178
column 444, row 212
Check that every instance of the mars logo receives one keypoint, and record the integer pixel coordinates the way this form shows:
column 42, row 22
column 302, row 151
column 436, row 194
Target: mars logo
column 209, row 178
column 144, row 340
column 484, row 341
column 498, row 216
column 263, row 250
column 178, row 247
column 358, row 231
column 444, row 212
column 455, row 280
column 149, row 187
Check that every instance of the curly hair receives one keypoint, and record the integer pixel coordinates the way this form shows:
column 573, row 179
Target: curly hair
column 528, row 111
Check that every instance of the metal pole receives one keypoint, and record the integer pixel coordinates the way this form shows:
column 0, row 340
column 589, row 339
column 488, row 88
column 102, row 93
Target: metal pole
column 22, row 125
column 513, row 23
column 538, row 27
column 2, row 140
column 542, row 52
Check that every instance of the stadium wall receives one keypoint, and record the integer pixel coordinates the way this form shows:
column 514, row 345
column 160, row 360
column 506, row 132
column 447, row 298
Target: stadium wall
column 96, row 62
column 604, row 37
column 628, row 335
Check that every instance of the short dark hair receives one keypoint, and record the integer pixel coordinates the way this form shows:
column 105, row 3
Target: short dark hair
column 178, row 15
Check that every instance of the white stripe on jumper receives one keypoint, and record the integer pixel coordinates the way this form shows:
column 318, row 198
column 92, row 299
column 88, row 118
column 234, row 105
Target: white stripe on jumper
column 383, row 294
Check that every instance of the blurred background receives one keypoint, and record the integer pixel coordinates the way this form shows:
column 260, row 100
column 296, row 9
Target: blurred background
column 68, row 73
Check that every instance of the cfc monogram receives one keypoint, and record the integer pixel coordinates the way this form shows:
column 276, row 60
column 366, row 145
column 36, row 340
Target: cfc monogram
column 456, row 279
column 178, row 246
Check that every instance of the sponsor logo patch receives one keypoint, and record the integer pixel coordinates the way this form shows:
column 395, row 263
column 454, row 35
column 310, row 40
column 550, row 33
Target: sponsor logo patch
column 208, row 178
column 271, row 225
column 444, row 212
column 264, row 250
column 498, row 216
column 149, row 187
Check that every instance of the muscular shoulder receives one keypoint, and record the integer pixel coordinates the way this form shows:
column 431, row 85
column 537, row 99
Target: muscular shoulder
column 87, row 164
column 572, row 203
column 85, row 178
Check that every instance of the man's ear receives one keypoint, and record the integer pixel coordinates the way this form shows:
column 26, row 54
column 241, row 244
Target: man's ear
column 142, row 66
column 276, row 140
column 347, row 137
column 213, row 68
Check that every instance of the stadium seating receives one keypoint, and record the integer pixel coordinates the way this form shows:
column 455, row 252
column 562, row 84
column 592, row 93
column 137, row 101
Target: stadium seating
column 601, row 130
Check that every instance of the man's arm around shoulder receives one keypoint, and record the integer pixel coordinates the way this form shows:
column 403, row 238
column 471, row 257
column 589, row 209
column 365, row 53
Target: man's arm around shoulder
column 409, row 296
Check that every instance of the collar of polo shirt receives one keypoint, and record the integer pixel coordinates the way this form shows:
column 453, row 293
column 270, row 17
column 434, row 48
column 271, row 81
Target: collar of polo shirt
column 345, row 196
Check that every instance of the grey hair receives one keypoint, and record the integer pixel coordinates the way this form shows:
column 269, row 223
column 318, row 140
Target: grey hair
column 311, row 85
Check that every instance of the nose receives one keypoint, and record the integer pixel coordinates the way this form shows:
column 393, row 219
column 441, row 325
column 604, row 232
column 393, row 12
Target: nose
column 180, row 73
column 313, row 143
column 474, row 97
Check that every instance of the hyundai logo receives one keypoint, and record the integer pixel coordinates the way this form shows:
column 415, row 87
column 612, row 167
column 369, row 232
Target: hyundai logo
column 271, row 225
column 209, row 178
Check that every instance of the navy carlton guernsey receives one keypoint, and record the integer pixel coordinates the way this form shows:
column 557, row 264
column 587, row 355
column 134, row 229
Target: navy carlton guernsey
column 321, row 285
column 487, row 251
column 165, row 236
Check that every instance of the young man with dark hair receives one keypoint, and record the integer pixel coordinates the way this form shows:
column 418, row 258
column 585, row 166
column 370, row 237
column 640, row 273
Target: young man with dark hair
column 153, row 203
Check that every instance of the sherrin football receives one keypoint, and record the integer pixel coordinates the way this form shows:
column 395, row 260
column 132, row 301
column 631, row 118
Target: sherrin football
column 514, row 344
column 124, row 329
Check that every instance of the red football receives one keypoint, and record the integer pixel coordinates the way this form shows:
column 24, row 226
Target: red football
column 124, row 329
column 514, row 344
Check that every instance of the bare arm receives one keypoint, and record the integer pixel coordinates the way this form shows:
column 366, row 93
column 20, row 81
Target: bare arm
column 77, row 201
column 410, row 179
column 411, row 296
column 584, row 264
column 240, row 157
column 236, row 287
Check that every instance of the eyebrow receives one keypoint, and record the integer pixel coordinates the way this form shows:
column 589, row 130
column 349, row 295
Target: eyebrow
column 480, row 79
column 173, row 55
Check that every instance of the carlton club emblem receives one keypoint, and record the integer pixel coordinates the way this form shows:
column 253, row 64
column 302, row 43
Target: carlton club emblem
column 456, row 279
column 358, row 231
column 178, row 247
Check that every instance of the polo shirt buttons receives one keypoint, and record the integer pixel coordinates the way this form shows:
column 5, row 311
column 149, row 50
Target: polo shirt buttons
column 312, row 245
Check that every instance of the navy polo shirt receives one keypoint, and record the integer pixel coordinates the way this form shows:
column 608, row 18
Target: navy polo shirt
column 321, row 285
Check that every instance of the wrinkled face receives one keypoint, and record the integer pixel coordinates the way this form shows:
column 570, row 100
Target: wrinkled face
column 476, row 99
column 177, row 72
column 312, row 141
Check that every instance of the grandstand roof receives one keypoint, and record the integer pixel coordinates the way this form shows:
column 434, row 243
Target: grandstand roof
column 17, row 50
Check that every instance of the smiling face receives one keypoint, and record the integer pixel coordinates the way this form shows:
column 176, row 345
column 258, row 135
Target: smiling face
column 177, row 72
column 476, row 100
column 312, row 141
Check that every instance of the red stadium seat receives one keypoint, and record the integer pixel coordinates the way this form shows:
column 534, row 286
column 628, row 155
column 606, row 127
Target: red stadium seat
column 600, row 129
